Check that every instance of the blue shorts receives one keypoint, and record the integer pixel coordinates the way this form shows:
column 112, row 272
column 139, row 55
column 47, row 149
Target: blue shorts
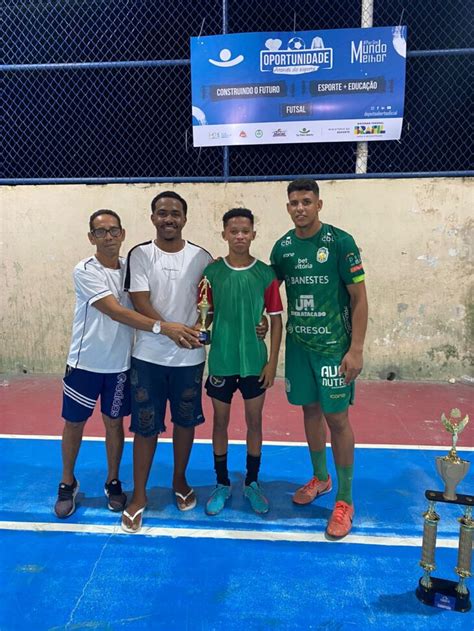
column 153, row 386
column 223, row 388
column 82, row 388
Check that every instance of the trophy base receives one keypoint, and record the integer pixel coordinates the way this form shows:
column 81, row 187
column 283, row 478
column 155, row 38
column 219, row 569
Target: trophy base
column 205, row 337
column 437, row 496
column 443, row 594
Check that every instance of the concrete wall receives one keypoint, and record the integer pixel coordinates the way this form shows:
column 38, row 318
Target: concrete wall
column 414, row 235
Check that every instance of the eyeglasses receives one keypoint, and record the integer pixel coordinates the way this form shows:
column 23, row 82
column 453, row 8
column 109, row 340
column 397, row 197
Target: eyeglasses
column 100, row 233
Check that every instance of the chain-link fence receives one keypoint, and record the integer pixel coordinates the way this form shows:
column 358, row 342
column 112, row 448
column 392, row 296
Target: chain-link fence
column 99, row 90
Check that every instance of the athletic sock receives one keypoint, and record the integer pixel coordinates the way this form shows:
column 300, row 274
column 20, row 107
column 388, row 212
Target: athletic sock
column 220, row 466
column 320, row 470
column 344, row 481
column 253, row 466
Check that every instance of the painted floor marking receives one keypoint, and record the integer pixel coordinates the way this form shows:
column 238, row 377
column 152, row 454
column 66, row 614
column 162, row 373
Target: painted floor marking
column 208, row 533
column 270, row 443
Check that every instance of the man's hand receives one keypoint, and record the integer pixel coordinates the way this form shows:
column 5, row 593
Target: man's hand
column 351, row 365
column 182, row 335
column 267, row 376
column 262, row 328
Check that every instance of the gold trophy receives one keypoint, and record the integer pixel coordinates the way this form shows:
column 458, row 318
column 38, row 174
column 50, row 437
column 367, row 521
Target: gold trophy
column 440, row 592
column 452, row 468
column 203, row 308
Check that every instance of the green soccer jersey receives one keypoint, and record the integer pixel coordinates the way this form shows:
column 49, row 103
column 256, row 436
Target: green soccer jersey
column 316, row 271
column 238, row 297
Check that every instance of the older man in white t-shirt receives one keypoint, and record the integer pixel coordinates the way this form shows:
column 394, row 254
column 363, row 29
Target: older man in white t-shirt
column 99, row 359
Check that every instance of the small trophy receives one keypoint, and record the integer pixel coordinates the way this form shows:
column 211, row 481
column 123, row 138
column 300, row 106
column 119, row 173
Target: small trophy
column 203, row 308
column 439, row 592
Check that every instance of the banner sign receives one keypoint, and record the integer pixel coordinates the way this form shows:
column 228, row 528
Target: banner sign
column 312, row 86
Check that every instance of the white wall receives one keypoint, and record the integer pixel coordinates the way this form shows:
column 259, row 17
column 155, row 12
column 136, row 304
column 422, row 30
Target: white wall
column 415, row 237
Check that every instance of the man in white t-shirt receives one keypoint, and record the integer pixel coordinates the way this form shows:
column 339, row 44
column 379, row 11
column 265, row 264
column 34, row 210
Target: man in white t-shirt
column 99, row 358
column 163, row 277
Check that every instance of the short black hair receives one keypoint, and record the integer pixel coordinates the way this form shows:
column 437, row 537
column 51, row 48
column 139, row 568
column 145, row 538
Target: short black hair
column 173, row 195
column 103, row 211
column 303, row 185
column 238, row 212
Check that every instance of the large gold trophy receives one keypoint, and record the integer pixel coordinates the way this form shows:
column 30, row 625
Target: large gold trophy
column 204, row 307
column 439, row 592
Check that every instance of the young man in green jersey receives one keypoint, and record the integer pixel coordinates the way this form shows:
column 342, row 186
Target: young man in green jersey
column 327, row 321
column 241, row 287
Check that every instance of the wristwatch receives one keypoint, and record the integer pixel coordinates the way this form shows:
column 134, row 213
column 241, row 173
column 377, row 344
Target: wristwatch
column 156, row 327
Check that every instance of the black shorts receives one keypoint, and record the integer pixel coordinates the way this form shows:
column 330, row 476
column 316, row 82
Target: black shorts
column 223, row 388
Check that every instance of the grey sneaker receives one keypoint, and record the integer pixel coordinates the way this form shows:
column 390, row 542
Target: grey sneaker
column 66, row 502
column 117, row 500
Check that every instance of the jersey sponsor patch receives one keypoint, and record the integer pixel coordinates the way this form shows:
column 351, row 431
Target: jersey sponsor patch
column 330, row 377
column 327, row 238
column 322, row 255
column 303, row 264
column 353, row 259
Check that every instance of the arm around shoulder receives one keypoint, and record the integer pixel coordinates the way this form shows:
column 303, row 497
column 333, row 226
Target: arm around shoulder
column 112, row 308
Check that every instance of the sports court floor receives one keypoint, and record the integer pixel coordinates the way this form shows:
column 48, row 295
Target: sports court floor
column 237, row 570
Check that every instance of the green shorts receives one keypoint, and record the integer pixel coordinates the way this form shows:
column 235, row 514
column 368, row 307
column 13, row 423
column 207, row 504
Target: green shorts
column 313, row 378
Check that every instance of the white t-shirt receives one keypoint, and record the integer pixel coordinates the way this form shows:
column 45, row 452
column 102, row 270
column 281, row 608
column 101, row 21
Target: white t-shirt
column 99, row 344
column 172, row 278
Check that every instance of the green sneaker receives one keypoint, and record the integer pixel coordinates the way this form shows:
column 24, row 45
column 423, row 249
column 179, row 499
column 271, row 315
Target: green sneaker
column 219, row 497
column 253, row 492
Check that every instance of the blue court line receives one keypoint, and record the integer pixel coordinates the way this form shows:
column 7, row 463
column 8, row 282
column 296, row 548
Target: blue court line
column 56, row 581
column 389, row 489
column 61, row 582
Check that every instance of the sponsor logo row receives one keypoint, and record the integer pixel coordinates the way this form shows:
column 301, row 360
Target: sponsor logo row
column 304, row 132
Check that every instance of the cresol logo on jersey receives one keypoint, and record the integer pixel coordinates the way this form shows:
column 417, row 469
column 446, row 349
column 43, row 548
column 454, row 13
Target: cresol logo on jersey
column 308, row 330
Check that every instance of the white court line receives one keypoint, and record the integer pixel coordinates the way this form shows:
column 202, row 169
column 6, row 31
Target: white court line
column 275, row 443
column 207, row 533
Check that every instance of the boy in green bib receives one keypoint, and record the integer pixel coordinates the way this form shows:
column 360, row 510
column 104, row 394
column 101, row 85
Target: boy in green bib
column 241, row 288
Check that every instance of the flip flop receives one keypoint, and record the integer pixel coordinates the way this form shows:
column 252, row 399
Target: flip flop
column 186, row 502
column 132, row 518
